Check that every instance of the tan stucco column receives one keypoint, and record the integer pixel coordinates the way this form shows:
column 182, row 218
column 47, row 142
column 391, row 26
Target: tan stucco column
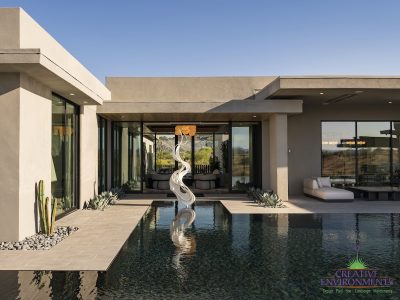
column 88, row 153
column 25, row 152
column 278, row 155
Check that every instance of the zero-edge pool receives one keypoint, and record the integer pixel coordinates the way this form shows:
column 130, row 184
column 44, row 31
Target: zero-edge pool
column 224, row 256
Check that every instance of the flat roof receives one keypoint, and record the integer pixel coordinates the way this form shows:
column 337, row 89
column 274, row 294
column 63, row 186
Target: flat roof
column 333, row 89
column 27, row 48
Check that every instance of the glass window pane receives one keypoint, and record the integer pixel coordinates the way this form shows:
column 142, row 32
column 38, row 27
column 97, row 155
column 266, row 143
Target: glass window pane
column 64, row 154
column 127, row 155
column 102, row 154
column 69, row 171
column 164, row 146
column 242, row 162
column 338, row 152
column 203, row 153
column 373, row 153
column 396, row 152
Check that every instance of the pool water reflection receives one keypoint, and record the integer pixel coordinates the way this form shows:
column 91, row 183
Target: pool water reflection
column 227, row 257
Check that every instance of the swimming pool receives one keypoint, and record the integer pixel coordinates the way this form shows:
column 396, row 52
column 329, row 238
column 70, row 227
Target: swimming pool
column 274, row 256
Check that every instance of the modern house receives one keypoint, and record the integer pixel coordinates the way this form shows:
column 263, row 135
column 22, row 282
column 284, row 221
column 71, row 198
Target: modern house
column 60, row 124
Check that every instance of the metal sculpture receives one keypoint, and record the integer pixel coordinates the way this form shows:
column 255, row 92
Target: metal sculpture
column 176, row 184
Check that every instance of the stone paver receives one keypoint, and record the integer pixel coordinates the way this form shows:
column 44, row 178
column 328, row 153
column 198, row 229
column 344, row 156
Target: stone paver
column 305, row 205
column 94, row 246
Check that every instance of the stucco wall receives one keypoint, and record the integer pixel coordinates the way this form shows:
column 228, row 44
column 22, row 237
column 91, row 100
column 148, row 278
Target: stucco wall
column 9, row 155
column 35, row 149
column 25, row 157
column 304, row 134
column 88, row 153
column 185, row 89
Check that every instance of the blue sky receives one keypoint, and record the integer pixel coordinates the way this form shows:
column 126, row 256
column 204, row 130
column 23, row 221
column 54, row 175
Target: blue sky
column 219, row 37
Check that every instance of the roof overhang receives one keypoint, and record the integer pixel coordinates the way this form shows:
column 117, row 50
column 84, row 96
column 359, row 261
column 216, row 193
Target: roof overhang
column 334, row 89
column 38, row 66
column 231, row 110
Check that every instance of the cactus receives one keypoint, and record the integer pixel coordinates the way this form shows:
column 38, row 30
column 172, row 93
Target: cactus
column 47, row 210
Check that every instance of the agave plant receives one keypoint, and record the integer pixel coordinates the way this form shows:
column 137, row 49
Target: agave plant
column 101, row 201
column 265, row 198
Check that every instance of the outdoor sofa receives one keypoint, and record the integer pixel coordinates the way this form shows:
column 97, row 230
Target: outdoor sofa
column 321, row 188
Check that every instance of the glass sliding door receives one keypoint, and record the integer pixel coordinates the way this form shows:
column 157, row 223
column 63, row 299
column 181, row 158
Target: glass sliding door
column 102, row 154
column 127, row 159
column 363, row 153
column 203, row 153
column 244, row 159
column 396, row 153
column 64, row 177
column 339, row 152
column 165, row 143
column 221, row 157
column 373, row 150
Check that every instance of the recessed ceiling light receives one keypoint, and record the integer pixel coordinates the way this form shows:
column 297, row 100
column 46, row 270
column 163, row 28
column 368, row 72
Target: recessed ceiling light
column 71, row 94
column 321, row 93
column 254, row 116
column 390, row 102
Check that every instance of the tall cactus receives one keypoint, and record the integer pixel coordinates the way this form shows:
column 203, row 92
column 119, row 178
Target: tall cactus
column 47, row 210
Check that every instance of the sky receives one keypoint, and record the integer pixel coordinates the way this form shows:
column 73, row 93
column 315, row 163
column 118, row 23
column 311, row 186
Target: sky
column 225, row 37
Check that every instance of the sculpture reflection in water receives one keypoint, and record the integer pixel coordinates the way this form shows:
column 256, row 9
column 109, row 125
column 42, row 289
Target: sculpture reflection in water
column 185, row 244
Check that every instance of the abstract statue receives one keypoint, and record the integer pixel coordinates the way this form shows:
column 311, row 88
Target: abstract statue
column 176, row 185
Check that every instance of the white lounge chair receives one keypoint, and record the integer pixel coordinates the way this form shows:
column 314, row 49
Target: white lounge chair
column 321, row 188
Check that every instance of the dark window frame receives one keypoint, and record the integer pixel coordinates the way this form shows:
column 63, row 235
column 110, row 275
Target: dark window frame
column 356, row 121
column 77, row 147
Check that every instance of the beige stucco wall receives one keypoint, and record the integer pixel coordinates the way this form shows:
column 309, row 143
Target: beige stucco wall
column 35, row 149
column 19, row 31
column 88, row 153
column 278, row 154
column 25, row 157
column 9, row 155
column 304, row 134
column 185, row 89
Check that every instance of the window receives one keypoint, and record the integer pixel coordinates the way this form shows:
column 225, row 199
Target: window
column 246, row 138
column 373, row 150
column 127, row 156
column 64, row 151
column 102, row 154
column 339, row 152
column 360, row 152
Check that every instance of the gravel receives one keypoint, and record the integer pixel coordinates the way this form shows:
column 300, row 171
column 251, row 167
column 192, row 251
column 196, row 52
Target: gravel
column 40, row 241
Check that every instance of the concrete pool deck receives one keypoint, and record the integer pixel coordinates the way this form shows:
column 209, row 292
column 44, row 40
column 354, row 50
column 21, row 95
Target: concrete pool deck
column 93, row 247
column 306, row 205
column 102, row 234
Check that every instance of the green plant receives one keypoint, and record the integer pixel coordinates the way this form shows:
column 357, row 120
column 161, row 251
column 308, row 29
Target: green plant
column 47, row 210
column 101, row 201
column 265, row 198
column 216, row 165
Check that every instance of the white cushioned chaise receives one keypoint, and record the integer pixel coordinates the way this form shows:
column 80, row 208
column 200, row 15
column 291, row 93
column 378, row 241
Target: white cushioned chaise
column 321, row 188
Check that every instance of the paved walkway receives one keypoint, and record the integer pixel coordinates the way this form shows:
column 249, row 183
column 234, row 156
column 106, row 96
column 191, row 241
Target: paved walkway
column 94, row 246
column 306, row 205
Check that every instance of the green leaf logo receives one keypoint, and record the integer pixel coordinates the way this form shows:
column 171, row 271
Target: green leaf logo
column 356, row 264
